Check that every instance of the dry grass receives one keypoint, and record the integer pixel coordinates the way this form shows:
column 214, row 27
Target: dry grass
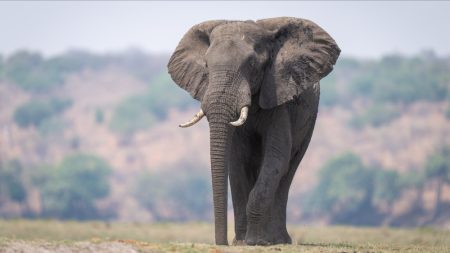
column 56, row 236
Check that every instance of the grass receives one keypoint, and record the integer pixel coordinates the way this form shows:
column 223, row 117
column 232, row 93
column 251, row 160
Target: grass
column 198, row 237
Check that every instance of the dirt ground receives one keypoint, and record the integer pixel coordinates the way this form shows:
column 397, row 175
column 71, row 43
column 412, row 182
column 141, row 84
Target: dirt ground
column 47, row 236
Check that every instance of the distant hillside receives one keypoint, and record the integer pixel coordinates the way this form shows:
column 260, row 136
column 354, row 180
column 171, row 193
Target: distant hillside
column 393, row 114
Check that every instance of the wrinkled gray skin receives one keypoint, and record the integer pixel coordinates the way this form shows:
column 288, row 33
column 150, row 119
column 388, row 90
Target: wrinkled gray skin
column 273, row 66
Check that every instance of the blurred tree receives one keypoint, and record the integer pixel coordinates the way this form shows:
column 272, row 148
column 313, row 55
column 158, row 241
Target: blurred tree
column 328, row 91
column 29, row 72
column 141, row 65
column 415, row 180
column 11, row 181
column 35, row 112
column 349, row 192
column 131, row 115
column 447, row 112
column 99, row 116
column 376, row 116
column 32, row 72
column 51, row 126
column 140, row 112
column 164, row 94
column 387, row 188
column 345, row 190
column 2, row 67
column 176, row 196
column 334, row 87
column 399, row 79
column 437, row 167
column 75, row 61
column 69, row 190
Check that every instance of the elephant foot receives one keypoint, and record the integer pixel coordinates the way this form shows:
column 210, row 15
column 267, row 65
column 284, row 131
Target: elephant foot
column 282, row 238
column 238, row 242
column 265, row 242
column 257, row 236
column 257, row 241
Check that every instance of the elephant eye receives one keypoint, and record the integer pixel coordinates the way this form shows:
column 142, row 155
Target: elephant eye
column 252, row 61
column 259, row 47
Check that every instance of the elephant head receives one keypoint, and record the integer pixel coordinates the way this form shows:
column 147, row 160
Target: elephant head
column 231, row 65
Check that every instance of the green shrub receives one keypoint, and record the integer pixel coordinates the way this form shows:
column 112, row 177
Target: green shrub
column 344, row 182
column 29, row 71
column 437, row 169
column 447, row 112
column 75, row 61
column 11, row 181
column 2, row 67
column 405, row 80
column 438, row 165
column 351, row 193
column 132, row 115
column 140, row 112
column 99, row 116
column 32, row 72
column 70, row 189
column 51, row 126
column 187, row 192
column 387, row 186
column 412, row 179
column 328, row 91
column 34, row 112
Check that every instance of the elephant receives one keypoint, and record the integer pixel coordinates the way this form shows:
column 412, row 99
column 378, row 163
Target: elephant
column 258, row 86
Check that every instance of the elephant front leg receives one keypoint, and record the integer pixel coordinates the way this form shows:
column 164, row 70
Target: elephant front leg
column 278, row 222
column 260, row 202
column 242, row 179
column 240, row 189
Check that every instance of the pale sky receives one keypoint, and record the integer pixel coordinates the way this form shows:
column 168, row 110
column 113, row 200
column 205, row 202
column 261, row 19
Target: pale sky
column 361, row 29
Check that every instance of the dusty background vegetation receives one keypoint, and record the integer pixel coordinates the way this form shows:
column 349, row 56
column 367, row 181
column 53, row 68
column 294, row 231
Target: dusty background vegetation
column 382, row 123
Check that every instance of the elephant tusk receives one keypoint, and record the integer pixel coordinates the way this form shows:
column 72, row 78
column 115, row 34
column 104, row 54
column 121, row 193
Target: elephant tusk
column 197, row 117
column 242, row 117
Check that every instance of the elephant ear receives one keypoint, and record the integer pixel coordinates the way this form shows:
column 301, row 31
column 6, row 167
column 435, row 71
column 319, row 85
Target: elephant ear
column 187, row 65
column 303, row 53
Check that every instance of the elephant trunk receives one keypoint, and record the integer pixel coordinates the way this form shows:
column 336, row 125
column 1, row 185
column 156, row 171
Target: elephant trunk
column 221, row 104
column 220, row 138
